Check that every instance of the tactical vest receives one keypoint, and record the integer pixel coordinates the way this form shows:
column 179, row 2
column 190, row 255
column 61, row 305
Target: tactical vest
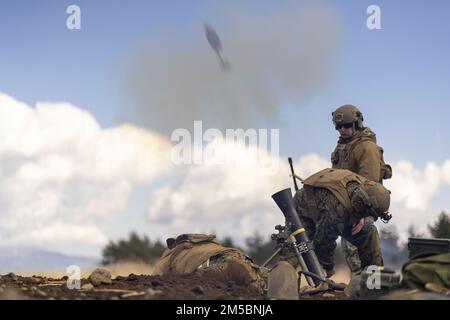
column 187, row 253
column 334, row 180
column 343, row 156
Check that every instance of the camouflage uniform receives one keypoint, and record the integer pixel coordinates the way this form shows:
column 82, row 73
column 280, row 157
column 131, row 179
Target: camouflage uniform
column 334, row 218
column 202, row 254
column 362, row 155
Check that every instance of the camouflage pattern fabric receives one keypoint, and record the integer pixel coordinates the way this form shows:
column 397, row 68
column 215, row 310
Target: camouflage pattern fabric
column 203, row 255
column 351, row 256
column 334, row 221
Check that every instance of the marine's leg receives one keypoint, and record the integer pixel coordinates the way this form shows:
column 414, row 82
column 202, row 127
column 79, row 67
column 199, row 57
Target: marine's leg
column 325, row 241
column 351, row 252
column 230, row 266
column 351, row 256
column 367, row 241
column 368, row 245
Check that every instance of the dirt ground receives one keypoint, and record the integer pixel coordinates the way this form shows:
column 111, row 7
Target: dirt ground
column 180, row 287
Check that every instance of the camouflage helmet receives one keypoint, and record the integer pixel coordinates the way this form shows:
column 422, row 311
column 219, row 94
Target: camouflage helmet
column 348, row 114
column 372, row 199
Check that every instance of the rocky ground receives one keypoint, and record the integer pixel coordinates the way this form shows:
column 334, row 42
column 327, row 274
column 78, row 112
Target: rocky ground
column 100, row 286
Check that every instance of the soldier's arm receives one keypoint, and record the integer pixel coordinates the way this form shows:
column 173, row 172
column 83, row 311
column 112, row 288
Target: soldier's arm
column 367, row 156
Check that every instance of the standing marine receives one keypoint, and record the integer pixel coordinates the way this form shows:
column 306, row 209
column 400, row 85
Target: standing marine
column 357, row 151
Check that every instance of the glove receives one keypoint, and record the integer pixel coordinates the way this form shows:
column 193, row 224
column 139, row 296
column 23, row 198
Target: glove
column 357, row 226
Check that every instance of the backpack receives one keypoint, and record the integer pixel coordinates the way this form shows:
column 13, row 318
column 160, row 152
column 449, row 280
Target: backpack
column 427, row 269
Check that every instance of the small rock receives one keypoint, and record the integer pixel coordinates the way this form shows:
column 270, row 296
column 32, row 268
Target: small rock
column 87, row 287
column 328, row 295
column 156, row 283
column 100, row 276
column 36, row 280
column 41, row 293
column 132, row 294
column 151, row 292
column 33, row 288
column 24, row 288
column 132, row 277
column 198, row 290
column 2, row 290
column 12, row 276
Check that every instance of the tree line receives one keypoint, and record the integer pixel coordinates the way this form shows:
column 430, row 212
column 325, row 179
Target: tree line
column 259, row 248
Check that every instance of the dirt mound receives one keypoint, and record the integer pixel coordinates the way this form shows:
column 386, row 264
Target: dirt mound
column 189, row 286
column 180, row 287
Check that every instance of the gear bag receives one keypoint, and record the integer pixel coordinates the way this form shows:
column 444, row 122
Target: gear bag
column 427, row 269
column 189, row 251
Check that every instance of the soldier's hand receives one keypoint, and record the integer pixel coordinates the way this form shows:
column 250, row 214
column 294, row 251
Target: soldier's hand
column 357, row 226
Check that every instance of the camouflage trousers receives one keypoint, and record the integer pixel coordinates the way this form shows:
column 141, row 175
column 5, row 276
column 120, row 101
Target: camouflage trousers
column 334, row 221
column 351, row 256
column 236, row 267
column 351, row 252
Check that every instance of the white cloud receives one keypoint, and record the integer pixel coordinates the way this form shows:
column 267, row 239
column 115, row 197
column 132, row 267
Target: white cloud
column 63, row 234
column 413, row 190
column 235, row 200
column 62, row 175
column 414, row 187
column 230, row 199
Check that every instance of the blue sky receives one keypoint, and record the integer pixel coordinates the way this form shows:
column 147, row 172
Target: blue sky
column 399, row 76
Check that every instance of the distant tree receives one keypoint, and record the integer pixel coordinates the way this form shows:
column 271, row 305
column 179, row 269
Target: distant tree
column 228, row 242
column 414, row 233
column 441, row 228
column 389, row 234
column 394, row 255
column 133, row 249
column 258, row 248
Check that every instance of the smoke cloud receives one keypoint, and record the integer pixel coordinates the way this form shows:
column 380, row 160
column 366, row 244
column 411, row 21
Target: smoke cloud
column 277, row 57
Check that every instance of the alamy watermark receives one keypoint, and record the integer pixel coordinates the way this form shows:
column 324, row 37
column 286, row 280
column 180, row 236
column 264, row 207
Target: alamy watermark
column 374, row 279
column 73, row 21
column 74, row 277
column 374, row 20
column 250, row 147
